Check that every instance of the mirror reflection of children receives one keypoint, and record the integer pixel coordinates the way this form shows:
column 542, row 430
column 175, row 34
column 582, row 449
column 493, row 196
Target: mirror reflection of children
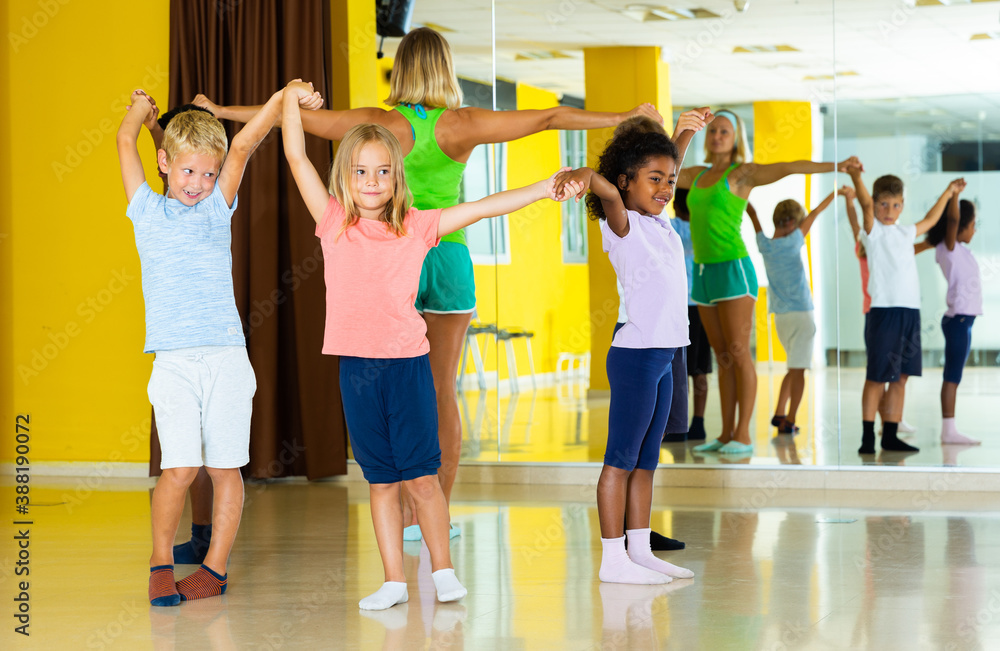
column 374, row 245
column 631, row 187
column 790, row 299
column 950, row 238
column 892, row 330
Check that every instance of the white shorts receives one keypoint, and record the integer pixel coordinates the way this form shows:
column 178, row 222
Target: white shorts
column 796, row 332
column 202, row 399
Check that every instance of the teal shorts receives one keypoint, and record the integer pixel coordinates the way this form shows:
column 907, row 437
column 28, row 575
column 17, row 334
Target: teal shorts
column 447, row 282
column 723, row 281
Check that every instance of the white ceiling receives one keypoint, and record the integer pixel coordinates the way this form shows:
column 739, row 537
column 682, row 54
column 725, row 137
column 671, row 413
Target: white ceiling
column 894, row 49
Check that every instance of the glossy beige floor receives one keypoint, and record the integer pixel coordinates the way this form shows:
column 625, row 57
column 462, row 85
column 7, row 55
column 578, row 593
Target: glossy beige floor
column 560, row 424
column 911, row 571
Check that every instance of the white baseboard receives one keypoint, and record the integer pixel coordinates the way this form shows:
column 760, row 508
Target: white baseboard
column 129, row 469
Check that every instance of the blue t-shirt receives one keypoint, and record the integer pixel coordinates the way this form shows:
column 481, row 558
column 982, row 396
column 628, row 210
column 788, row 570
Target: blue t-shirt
column 788, row 289
column 187, row 270
column 683, row 229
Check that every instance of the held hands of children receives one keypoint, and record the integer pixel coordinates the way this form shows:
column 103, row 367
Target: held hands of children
column 694, row 120
column 308, row 97
column 569, row 182
column 957, row 186
column 847, row 192
column 144, row 102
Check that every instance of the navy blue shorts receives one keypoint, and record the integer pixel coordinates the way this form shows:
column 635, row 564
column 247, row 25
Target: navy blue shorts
column 391, row 412
column 957, row 344
column 641, row 393
column 892, row 337
column 678, row 421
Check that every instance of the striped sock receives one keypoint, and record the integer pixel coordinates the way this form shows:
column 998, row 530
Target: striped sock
column 201, row 584
column 162, row 591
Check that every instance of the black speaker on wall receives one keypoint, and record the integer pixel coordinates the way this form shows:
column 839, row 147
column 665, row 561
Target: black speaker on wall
column 392, row 17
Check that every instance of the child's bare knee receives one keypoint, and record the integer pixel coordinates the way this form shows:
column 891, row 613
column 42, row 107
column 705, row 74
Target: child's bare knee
column 423, row 488
column 218, row 474
column 179, row 476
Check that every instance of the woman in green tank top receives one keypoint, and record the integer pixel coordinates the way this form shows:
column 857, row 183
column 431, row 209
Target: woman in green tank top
column 437, row 136
column 725, row 286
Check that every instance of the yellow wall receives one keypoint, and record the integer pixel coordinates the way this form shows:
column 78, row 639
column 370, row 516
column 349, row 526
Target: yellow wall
column 6, row 247
column 352, row 61
column 537, row 291
column 76, row 297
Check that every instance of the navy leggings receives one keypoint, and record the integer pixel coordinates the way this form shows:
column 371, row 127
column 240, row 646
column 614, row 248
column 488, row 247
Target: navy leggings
column 678, row 421
column 957, row 344
column 641, row 392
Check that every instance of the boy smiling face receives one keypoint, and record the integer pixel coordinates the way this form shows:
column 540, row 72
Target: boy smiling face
column 191, row 175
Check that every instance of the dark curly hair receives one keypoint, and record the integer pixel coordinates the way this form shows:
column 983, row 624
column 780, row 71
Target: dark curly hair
column 165, row 119
column 630, row 148
column 966, row 213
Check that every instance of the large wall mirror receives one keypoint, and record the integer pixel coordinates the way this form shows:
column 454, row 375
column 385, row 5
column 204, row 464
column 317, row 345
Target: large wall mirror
column 901, row 85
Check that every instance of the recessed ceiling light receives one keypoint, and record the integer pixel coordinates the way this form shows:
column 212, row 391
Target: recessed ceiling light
column 644, row 13
column 985, row 36
column 541, row 55
column 764, row 48
column 438, row 28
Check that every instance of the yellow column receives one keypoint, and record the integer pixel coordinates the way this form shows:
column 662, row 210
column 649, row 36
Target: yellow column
column 353, row 68
column 782, row 131
column 616, row 79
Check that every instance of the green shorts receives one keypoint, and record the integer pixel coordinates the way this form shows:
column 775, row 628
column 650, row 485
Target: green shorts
column 723, row 281
column 447, row 283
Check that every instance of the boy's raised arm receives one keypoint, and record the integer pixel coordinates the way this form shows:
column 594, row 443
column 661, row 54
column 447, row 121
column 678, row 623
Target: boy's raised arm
column 865, row 199
column 934, row 214
column 133, row 175
column 815, row 212
column 244, row 144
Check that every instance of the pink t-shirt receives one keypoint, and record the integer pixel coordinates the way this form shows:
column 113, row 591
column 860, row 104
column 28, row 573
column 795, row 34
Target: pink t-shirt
column 863, row 261
column 965, row 287
column 372, row 277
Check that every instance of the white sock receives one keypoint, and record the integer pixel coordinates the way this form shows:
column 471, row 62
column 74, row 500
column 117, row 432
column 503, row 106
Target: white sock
column 448, row 586
column 390, row 594
column 617, row 567
column 641, row 554
column 904, row 427
column 950, row 434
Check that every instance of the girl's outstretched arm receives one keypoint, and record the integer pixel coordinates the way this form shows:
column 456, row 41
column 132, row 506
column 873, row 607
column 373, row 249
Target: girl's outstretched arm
column 611, row 199
column 688, row 124
column 815, row 212
column 934, row 214
column 864, row 197
column 314, row 192
column 501, row 203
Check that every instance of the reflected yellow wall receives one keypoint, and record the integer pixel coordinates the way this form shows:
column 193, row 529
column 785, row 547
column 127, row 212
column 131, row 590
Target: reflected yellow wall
column 638, row 75
column 6, row 245
column 78, row 327
column 782, row 131
column 537, row 291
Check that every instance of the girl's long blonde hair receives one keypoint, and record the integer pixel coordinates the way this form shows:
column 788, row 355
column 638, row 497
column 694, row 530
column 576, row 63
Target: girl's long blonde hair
column 341, row 183
column 423, row 73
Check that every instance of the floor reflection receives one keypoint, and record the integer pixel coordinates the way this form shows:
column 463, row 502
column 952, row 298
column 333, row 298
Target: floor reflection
column 772, row 570
column 561, row 424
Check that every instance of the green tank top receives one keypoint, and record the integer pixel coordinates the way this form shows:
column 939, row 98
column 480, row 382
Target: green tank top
column 716, row 216
column 434, row 179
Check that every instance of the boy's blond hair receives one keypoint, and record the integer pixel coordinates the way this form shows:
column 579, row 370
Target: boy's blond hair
column 423, row 72
column 195, row 132
column 741, row 146
column 789, row 210
column 342, row 171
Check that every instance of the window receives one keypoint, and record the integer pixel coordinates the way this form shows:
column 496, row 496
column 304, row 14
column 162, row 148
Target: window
column 485, row 174
column 573, row 146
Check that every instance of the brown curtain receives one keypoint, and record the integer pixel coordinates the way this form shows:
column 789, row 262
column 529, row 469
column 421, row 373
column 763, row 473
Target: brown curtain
column 239, row 53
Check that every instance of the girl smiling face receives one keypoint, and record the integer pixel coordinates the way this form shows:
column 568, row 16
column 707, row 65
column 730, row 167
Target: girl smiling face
column 653, row 186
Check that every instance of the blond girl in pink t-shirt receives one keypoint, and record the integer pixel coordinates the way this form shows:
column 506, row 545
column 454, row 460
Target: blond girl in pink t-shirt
column 374, row 244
